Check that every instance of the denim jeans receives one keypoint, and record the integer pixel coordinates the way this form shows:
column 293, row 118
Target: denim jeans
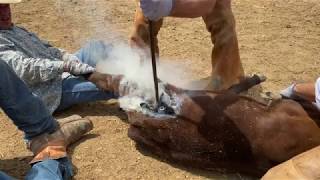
column 26, row 110
column 30, row 115
column 75, row 89
column 60, row 169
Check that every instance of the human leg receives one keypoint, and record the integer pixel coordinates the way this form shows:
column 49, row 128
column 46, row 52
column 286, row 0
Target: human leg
column 60, row 169
column 4, row 176
column 226, row 64
column 50, row 157
column 25, row 109
column 77, row 90
column 46, row 139
column 139, row 38
column 93, row 52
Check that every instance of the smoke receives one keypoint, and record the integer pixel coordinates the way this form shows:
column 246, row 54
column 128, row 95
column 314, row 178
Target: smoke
column 89, row 19
column 121, row 59
column 138, row 75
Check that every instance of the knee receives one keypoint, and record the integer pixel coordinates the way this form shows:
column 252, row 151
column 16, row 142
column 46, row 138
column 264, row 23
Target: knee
column 96, row 50
column 96, row 44
column 4, row 67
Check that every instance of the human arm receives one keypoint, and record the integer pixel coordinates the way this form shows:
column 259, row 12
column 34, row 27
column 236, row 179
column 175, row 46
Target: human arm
column 305, row 91
column 156, row 9
column 192, row 8
column 32, row 70
column 38, row 70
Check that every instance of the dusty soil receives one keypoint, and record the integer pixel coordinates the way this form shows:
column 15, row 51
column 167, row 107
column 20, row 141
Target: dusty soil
column 280, row 39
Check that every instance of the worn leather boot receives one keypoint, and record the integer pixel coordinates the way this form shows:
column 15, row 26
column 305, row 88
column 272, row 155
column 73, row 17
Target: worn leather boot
column 54, row 146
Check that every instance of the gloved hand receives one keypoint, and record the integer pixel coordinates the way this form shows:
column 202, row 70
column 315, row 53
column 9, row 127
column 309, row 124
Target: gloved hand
column 75, row 67
column 106, row 82
column 288, row 92
column 113, row 83
column 156, row 9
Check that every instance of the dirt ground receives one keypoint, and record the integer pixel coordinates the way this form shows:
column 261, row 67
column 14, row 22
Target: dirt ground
column 280, row 39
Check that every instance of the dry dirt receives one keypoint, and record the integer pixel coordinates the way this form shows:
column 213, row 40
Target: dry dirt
column 280, row 39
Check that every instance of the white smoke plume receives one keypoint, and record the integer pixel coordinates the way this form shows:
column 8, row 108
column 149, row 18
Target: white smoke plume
column 124, row 60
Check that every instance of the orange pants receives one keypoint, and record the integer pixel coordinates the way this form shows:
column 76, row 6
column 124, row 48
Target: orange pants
column 226, row 65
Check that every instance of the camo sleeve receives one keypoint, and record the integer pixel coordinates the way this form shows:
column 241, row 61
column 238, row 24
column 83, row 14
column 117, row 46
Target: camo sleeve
column 30, row 70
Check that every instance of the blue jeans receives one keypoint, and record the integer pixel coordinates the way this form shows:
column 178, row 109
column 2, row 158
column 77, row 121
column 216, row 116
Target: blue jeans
column 60, row 169
column 75, row 89
column 30, row 115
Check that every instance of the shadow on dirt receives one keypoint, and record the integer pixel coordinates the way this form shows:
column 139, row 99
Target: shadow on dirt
column 100, row 108
column 210, row 174
column 74, row 145
column 18, row 167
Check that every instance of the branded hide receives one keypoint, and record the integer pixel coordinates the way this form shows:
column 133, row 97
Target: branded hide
column 215, row 130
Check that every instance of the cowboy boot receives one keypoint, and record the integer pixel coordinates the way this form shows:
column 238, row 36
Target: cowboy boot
column 226, row 64
column 54, row 146
column 140, row 37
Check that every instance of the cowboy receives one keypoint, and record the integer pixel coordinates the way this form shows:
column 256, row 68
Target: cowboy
column 218, row 17
column 47, row 138
column 59, row 78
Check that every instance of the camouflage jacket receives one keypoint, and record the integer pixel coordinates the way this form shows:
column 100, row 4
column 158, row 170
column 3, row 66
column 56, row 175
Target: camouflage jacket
column 36, row 62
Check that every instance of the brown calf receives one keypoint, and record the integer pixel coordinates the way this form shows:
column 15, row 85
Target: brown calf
column 226, row 130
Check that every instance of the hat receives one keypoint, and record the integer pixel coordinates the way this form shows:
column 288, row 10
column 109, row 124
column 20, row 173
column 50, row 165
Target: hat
column 9, row 1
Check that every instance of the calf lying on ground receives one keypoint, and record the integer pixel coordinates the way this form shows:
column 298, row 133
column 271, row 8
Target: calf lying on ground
column 226, row 130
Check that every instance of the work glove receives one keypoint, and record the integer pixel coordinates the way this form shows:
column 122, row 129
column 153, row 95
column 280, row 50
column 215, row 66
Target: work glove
column 288, row 92
column 156, row 9
column 106, row 82
column 75, row 67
